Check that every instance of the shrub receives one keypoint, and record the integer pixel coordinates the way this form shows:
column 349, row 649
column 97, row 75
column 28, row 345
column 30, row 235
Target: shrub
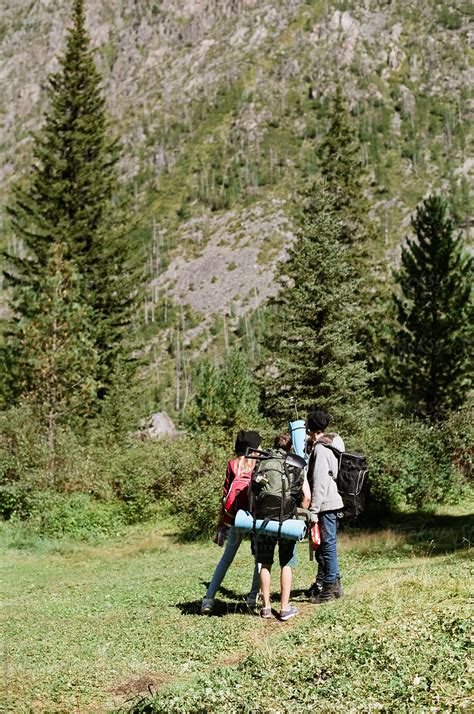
column 416, row 464
column 94, row 482
column 186, row 473
column 23, row 460
column 76, row 515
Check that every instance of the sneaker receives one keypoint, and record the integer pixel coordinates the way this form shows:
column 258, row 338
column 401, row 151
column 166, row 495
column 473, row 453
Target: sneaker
column 330, row 591
column 266, row 613
column 286, row 614
column 207, row 605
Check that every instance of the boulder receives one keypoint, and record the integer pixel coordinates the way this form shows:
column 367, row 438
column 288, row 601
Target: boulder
column 159, row 424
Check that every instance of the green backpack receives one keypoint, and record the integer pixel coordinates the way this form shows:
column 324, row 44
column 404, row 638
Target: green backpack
column 276, row 485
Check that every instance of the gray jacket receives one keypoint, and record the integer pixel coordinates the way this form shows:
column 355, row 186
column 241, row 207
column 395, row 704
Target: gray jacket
column 325, row 496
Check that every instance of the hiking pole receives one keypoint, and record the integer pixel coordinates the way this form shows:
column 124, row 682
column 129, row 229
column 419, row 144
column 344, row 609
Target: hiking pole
column 295, row 407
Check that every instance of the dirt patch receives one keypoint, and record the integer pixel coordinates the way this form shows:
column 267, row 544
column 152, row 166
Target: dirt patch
column 142, row 684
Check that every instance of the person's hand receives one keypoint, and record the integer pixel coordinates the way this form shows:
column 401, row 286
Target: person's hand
column 220, row 537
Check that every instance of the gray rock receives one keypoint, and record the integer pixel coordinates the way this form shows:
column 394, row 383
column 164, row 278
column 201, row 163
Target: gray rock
column 159, row 424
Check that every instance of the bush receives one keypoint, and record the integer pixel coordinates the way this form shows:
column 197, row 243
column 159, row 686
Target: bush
column 198, row 505
column 415, row 464
column 76, row 515
column 93, row 483
column 14, row 500
column 96, row 484
column 186, row 473
column 23, row 459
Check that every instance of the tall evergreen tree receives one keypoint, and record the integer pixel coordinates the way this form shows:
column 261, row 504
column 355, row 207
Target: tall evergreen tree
column 68, row 201
column 342, row 169
column 58, row 358
column 312, row 349
column 226, row 397
column 340, row 155
column 433, row 340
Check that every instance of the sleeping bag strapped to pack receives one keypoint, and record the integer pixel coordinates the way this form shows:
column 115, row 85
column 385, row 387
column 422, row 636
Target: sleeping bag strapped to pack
column 277, row 485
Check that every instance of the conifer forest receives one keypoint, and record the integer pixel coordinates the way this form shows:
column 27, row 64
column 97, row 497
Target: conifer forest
column 215, row 215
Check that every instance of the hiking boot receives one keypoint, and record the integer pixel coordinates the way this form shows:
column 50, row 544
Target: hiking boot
column 266, row 613
column 251, row 602
column 207, row 605
column 286, row 614
column 315, row 588
column 330, row 591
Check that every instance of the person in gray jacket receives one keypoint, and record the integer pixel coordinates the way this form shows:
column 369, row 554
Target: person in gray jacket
column 326, row 504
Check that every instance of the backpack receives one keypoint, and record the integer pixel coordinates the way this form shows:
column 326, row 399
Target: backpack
column 351, row 481
column 276, row 489
column 238, row 494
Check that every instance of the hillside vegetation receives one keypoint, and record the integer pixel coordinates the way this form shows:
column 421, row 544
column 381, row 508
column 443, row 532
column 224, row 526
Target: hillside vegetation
column 220, row 106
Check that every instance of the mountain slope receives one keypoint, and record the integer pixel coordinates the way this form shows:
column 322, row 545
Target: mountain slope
column 220, row 107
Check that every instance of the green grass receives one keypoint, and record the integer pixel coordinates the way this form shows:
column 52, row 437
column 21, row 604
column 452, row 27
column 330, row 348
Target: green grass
column 90, row 628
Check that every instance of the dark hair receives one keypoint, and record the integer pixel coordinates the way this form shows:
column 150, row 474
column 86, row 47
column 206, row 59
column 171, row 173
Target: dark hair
column 283, row 441
column 317, row 420
column 247, row 440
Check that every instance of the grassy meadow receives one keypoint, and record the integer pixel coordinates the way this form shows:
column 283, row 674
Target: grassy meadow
column 115, row 625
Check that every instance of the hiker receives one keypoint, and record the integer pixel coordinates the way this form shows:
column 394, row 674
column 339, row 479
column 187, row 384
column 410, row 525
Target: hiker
column 326, row 504
column 235, row 495
column 264, row 547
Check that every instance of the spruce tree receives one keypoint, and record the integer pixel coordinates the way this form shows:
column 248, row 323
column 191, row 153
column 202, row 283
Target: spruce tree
column 312, row 349
column 433, row 339
column 226, row 396
column 343, row 172
column 58, row 357
column 345, row 177
column 340, row 155
column 68, row 200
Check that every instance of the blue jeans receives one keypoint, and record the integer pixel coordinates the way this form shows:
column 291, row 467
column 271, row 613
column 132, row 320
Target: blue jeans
column 234, row 539
column 328, row 548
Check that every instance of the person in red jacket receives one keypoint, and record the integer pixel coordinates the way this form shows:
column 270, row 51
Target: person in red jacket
column 238, row 470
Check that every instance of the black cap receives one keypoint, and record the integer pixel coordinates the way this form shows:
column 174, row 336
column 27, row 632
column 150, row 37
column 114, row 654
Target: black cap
column 247, row 440
column 317, row 420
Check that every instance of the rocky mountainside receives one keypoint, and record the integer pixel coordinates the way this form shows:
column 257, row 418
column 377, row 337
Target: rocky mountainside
column 220, row 104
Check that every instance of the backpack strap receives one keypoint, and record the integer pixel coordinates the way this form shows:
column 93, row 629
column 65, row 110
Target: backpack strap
column 336, row 452
column 332, row 448
column 284, row 478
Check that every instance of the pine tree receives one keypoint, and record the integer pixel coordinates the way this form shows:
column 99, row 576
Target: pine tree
column 433, row 341
column 68, row 201
column 346, row 180
column 58, row 358
column 239, row 393
column 341, row 163
column 204, row 411
column 312, row 350
column 226, row 396
column 343, row 172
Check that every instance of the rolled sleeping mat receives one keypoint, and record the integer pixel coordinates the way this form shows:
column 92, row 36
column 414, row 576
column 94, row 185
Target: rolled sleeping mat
column 298, row 435
column 292, row 529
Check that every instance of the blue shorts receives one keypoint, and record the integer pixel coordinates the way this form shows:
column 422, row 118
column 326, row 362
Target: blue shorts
column 264, row 550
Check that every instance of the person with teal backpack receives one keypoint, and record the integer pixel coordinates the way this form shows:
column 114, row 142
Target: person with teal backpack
column 235, row 496
column 279, row 487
